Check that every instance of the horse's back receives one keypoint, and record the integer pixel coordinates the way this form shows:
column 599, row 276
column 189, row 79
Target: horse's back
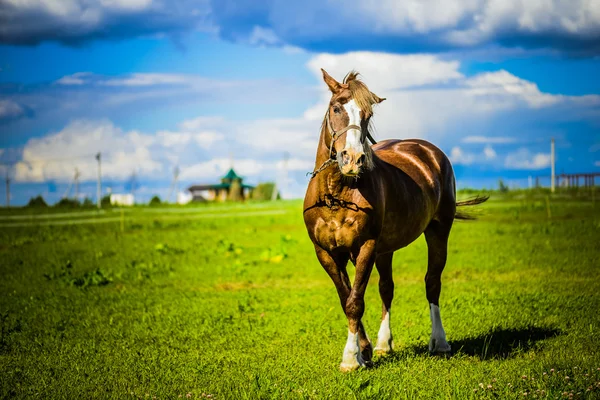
column 421, row 160
column 407, row 153
column 422, row 163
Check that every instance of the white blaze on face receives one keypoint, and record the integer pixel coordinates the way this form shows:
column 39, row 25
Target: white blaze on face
column 353, row 135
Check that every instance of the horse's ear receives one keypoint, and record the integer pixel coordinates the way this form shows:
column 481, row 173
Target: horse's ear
column 377, row 98
column 333, row 85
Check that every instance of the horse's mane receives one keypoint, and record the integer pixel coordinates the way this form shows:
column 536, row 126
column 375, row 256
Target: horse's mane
column 361, row 94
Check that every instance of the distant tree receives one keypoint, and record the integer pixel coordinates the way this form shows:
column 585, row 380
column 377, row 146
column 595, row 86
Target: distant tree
column 37, row 202
column 502, row 187
column 87, row 202
column 264, row 191
column 67, row 203
column 155, row 201
column 105, row 202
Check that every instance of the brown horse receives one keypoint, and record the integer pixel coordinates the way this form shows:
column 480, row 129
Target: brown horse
column 363, row 203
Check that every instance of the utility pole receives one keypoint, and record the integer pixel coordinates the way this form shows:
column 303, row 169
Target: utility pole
column 99, row 186
column 7, row 189
column 76, row 183
column 552, row 162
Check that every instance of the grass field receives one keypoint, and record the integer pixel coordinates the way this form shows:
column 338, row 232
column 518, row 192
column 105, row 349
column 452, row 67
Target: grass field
column 229, row 302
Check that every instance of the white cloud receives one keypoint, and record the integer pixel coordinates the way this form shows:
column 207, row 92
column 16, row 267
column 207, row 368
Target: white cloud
column 55, row 156
column 459, row 156
column 428, row 97
column 10, row 109
column 497, row 87
column 217, row 167
column 263, row 36
column 202, row 139
column 78, row 78
column 567, row 25
column 246, row 167
column 149, row 80
column 384, row 71
column 132, row 80
column 441, row 23
column 489, row 139
column 524, row 159
column 201, row 123
column 77, row 21
column 489, row 152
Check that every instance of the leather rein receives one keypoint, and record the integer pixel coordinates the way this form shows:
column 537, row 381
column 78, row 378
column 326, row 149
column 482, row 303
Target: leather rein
column 335, row 135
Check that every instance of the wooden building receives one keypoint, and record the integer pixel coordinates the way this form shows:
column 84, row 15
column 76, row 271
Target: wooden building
column 231, row 188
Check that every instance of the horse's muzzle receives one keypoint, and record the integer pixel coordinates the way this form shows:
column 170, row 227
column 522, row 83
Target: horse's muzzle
column 351, row 162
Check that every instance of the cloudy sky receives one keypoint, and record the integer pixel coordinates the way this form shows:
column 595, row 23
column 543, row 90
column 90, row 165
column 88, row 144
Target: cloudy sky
column 199, row 84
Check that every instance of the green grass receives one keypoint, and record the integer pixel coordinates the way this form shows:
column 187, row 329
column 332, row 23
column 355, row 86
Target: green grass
column 227, row 303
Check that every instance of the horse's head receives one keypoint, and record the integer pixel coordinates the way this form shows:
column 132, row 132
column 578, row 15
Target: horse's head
column 347, row 122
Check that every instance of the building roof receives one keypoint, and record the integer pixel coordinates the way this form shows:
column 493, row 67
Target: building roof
column 231, row 175
column 195, row 188
column 225, row 183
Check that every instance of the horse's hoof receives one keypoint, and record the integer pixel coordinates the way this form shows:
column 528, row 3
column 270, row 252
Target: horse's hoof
column 439, row 346
column 346, row 367
column 382, row 352
column 384, row 348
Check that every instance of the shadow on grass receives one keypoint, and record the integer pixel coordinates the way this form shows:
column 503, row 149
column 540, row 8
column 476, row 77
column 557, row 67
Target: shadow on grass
column 497, row 344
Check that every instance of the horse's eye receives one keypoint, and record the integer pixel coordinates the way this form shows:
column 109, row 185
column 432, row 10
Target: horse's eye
column 336, row 110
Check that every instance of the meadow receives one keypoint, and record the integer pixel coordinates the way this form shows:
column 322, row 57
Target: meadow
column 229, row 302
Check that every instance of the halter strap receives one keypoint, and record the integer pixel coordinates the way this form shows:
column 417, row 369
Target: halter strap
column 335, row 136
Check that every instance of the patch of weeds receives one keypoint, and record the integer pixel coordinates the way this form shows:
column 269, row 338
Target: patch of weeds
column 106, row 254
column 277, row 254
column 148, row 270
column 91, row 278
column 7, row 328
column 365, row 387
column 64, row 271
column 164, row 248
column 229, row 249
column 570, row 383
column 22, row 241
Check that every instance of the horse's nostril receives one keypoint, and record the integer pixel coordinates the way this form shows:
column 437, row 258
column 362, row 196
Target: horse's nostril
column 361, row 160
column 345, row 157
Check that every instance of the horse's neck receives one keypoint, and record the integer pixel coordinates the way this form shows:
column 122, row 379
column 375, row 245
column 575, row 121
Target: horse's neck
column 330, row 180
column 323, row 152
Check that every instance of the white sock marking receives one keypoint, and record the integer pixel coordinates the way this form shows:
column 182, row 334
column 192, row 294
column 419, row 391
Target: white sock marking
column 384, row 337
column 438, row 342
column 351, row 358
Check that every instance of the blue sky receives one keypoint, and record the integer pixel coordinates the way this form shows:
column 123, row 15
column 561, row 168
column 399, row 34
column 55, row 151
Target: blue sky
column 196, row 84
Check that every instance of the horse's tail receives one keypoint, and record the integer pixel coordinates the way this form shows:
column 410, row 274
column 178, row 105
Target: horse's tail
column 469, row 202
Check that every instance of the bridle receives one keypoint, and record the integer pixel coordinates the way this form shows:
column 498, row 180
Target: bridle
column 335, row 135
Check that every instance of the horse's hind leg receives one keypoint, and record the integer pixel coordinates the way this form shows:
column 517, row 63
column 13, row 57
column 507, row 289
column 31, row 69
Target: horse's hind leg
column 436, row 236
column 383, row 263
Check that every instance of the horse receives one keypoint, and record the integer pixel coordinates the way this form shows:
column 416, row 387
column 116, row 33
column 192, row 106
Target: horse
column 365, row 202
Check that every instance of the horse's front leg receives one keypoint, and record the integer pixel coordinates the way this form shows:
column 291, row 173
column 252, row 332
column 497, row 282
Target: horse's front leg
column 358, row 350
